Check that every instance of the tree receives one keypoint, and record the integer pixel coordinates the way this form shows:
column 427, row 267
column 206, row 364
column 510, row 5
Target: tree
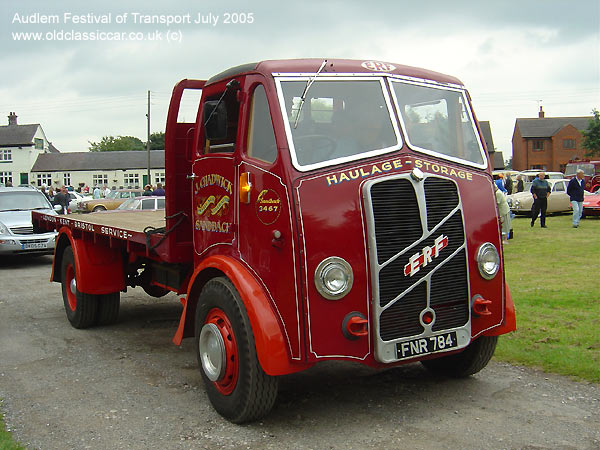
column 591, row 136
column 119, row 143
column 157, row 141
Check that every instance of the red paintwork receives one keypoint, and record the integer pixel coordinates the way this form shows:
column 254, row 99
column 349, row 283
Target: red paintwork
column 592, row 182
column 71, row 297
column 591, row 205
column 227, row 384
column 271, row 255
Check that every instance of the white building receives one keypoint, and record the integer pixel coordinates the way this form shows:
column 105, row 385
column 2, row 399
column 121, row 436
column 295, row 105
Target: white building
column 20, row 145
column 127, row 169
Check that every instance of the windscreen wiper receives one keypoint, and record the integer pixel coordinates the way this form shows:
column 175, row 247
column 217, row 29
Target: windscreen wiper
column 306, row 88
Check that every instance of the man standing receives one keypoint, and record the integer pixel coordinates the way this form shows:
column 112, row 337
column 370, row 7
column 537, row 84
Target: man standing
column 520, row 187
column 508, row 183
column 62, row 199
column 159, row 189
column 540, row 189
column 96, row 193
column 575, row 191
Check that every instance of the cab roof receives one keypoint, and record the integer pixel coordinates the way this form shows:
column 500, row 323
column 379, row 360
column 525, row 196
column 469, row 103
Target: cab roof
column 286, row 66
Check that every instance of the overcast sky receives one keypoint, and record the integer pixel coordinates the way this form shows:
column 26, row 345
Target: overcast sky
column 510, row 54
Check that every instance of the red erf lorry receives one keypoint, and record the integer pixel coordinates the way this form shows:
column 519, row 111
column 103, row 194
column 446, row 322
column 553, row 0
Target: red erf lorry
column 315, row 210
column 591, row 172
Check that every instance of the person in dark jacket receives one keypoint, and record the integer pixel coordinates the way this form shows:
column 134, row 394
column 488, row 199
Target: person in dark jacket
column 520, row 187
column 62, row 199
column 147, row 190
column 508, row 183
column 159, row 190
column 540, row 189
column 575, row 190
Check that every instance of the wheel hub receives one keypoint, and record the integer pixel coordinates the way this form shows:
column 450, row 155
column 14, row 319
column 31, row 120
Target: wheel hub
column 73, row 286
column 212, row 352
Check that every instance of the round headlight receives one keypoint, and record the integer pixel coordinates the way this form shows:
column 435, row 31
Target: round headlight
column 488, row 261
column 333, row 278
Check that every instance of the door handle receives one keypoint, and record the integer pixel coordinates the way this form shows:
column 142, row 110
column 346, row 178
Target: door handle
column 191, row 177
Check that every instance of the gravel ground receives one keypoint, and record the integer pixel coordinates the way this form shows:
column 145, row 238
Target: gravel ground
column 128, row 387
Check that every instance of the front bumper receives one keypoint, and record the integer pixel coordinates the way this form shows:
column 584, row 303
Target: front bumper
column 28, row 244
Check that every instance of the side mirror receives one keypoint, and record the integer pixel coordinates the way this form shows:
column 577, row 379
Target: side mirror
column 214, row 114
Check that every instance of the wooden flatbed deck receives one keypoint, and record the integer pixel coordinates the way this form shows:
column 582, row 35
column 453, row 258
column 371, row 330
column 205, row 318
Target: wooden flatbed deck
column 134, row 221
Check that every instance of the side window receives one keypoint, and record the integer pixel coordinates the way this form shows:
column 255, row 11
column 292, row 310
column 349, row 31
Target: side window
column 148, row 204
column 160, row 203
column 232, row 106
column 559, row 187
column 261, row 138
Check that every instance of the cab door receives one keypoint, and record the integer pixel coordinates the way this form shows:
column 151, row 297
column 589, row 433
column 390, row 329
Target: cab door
column 213, row 170
column 267, row 242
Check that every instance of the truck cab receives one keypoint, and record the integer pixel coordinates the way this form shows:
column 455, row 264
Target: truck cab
column 358, row 197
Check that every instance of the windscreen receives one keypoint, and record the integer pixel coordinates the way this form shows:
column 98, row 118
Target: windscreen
column 21, row 201
column 336, row 120
column 437, row 120
column 588, row 169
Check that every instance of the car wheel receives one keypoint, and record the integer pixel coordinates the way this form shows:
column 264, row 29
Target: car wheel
column 155, row 291
column 81, row 309
column 468, row 362
column 236, row 384
column 99, row 208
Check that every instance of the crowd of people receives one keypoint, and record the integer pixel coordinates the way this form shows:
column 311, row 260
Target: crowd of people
column 61, row 197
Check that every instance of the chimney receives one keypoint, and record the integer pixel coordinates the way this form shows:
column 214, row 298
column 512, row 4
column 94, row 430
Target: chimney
column 12, row 119
column 541, row 113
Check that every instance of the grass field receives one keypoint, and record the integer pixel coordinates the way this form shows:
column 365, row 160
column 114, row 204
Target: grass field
column 554, row 278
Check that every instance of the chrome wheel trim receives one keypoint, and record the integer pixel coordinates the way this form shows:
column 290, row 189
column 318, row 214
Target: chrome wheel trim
column 212, row 352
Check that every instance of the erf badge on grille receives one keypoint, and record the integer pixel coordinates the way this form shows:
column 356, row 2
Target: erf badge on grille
column 425, row 256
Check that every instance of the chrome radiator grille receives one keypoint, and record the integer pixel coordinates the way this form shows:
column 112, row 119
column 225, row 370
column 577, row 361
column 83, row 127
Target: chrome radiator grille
column 405, row 219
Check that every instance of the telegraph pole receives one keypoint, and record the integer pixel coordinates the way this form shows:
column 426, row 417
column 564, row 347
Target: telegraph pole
column 148, row 140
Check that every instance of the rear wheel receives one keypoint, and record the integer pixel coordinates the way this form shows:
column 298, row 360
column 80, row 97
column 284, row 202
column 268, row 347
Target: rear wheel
column 99, row 208
column 470, row 361
column 236, row 384
column 108, row 308
column 81, row 309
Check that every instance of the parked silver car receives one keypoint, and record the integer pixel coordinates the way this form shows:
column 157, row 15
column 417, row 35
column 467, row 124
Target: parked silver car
column 16, row 228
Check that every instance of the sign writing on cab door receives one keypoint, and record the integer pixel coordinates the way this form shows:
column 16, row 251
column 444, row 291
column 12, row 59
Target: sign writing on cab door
column 268, row 206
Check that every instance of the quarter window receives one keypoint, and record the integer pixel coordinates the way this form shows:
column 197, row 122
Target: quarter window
column 261, row 138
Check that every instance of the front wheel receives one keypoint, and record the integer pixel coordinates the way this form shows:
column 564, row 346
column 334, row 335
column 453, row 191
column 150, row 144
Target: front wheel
column 468, row 362
column 236, row 384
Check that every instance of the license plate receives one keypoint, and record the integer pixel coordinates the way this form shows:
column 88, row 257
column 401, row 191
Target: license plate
column 34, row 245
column 423, row 346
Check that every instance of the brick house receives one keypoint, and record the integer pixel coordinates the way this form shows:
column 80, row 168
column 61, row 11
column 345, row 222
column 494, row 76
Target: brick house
column 548, row 143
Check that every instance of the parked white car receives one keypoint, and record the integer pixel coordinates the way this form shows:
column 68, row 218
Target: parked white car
column 558, row 201
column 17, row 235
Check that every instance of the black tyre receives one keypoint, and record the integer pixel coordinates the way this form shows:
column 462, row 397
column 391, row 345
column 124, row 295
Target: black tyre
column 81, row 309
column 236, row 384
column 108, row 308
column 99, row 208
column 470, row 361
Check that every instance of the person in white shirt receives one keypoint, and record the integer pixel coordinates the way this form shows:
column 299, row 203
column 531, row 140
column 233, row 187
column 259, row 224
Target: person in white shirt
column 106, row 191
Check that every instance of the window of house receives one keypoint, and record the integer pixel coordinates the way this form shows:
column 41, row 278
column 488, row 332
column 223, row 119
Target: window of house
column 5, row 177
column 6, row 155
column 261, row 138
column 538, row 145
column 569, row 144
column 131, row 180
column 100, row 179
column 67, row 179
column 44, row 179
column 537, row 167
column 227, row 144
column 159, row 177
column 39, row 144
